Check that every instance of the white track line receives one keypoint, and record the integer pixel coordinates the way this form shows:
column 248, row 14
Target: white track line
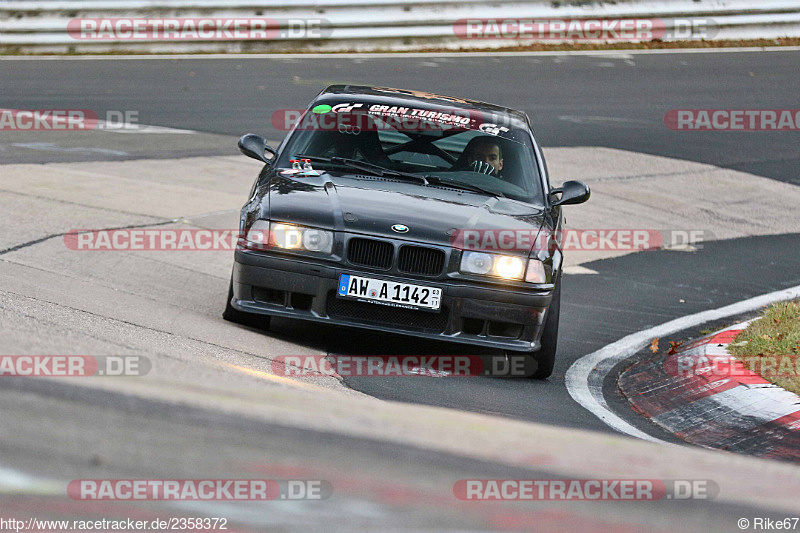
column 398, row 55
column 111, row 127
column 578, row 270
column 585, row 377
column 16, row 483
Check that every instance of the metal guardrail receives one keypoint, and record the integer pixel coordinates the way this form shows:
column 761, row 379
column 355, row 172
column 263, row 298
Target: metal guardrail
column 368, row 25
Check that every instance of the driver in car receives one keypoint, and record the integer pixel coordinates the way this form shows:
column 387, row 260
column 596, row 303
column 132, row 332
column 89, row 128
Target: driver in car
column 484, row 155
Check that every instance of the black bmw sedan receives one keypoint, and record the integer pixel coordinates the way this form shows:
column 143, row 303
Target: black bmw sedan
column 406, row 212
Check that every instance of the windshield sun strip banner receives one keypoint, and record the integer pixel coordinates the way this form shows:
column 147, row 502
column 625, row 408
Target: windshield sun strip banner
column 355, row 117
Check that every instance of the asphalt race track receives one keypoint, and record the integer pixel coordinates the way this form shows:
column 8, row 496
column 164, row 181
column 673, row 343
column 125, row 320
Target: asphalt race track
column 615, row 101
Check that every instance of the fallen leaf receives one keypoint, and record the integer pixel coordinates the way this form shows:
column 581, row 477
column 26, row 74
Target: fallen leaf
column 672, row 347
column 654, row 345
column 766, row 337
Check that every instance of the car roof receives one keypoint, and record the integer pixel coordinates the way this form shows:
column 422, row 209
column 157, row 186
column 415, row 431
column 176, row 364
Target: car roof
column 404, row 97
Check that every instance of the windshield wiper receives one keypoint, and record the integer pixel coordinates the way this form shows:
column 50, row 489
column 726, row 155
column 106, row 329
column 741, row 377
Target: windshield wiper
column 435, row 180
column 363, row 166
column 380, row 171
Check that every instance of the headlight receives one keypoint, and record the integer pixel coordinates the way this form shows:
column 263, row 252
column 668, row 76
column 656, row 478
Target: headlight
column 476, row 263
column 317, row 240
column 286, row 236
column 501, row 266
column 291, row 237
column 509, row 267
column 264, row 234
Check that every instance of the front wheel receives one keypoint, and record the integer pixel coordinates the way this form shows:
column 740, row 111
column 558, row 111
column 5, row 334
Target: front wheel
column 246, row 319
column 545, row 358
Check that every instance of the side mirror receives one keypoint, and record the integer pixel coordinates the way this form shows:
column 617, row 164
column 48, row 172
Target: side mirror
column 572, row 192
column 255, row 146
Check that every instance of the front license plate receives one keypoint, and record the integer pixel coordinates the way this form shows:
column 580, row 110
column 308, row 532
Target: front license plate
column 390, row 293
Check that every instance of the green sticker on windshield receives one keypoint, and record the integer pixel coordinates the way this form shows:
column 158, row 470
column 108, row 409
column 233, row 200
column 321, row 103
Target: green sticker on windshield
column 323, row 108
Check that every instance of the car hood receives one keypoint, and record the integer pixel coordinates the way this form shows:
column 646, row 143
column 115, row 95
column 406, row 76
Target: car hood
column 369, row 206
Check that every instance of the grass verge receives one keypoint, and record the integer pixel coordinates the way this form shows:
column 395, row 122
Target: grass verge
column 270, row 48
column 770, row 346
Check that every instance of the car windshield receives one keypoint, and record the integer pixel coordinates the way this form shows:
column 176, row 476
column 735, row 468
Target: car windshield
column 447, row 149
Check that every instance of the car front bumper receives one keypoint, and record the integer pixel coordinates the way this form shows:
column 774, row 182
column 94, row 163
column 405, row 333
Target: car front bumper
column 296, row 287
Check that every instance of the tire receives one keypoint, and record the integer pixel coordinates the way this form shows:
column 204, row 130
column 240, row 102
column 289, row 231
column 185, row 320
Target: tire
column 246, row 319
column 545, row 358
